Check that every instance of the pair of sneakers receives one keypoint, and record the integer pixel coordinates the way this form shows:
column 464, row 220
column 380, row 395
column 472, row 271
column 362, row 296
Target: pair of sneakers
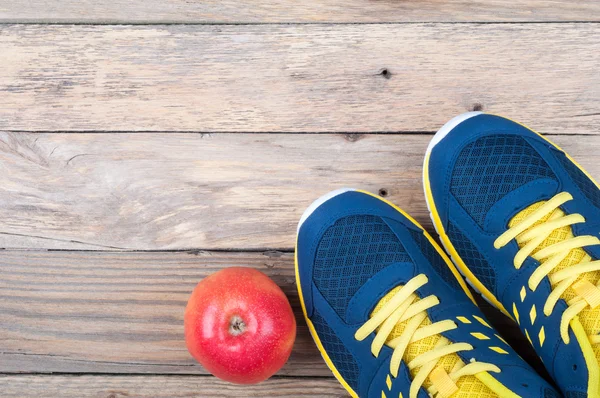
column 392, row 316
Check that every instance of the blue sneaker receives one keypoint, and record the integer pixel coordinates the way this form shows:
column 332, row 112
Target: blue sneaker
column 390, row 314
column 521, row 220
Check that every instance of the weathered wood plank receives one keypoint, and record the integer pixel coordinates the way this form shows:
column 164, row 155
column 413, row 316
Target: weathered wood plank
column 305, row 78
column 269, row 11
column 181, row 191
column 115, row 312
column 44, row 386
column 105, row 312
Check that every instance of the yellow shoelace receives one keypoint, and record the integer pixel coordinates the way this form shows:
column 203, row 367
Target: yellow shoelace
column 406, row 306
column 530, row 233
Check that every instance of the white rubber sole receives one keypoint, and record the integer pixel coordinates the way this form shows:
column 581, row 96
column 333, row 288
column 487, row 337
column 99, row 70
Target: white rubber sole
column 314, row 205
column 448, row 127
column 437, row 138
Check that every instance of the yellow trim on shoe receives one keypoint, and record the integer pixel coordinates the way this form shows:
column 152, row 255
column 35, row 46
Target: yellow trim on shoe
column 314, row 334
column 582, row 338
column 437, row 222
column 311, row 327
column 593, row 389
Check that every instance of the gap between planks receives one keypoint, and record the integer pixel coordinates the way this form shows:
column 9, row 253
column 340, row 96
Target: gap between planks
column 289, row 11
column 351, row 135
column 150, row 23
column 46, row 386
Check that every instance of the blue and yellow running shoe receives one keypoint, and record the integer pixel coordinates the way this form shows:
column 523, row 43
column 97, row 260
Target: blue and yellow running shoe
column 389, row 312
column 521, row 220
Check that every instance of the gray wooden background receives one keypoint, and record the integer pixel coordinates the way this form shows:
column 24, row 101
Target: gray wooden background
column 145, row 144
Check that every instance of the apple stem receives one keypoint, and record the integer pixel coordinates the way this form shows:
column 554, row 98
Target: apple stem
column 236, row 325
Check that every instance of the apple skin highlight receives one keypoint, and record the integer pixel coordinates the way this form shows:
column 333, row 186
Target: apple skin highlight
column 239, row 325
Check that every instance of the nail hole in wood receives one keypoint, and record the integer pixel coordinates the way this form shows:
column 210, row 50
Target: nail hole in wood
column 477, row 107
column 385, row 73
column 383, row 192
column 353, row 137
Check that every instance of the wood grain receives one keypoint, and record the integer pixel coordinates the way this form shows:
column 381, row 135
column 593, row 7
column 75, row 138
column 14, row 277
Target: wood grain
column 43, row 386
column 297, row 78
column 185, row 191
column 288, row 11
column 102, row 312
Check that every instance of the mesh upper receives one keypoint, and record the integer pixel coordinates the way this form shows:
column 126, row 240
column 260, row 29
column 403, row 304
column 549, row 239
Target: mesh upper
column 350, row 252
column 576, row 394
column 342, row 359
column 436, row 261
column 471, row 256
column 489, row 168
column 587, row 186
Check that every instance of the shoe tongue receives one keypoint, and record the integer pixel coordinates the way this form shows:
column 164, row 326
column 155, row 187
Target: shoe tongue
column 469, row 386
column 589, row 318
column 520, row 198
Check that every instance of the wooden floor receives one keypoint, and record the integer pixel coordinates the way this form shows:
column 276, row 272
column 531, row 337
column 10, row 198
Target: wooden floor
column 145, row 144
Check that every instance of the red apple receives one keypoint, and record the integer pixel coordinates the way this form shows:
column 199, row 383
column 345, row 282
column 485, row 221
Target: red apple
column 239, row 325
